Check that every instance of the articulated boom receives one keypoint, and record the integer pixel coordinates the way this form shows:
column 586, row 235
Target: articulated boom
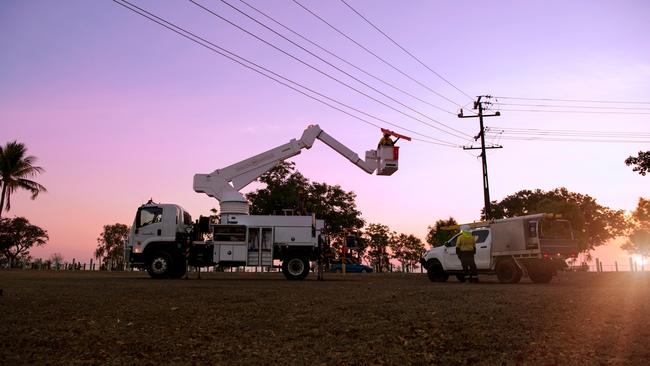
column 224, row 184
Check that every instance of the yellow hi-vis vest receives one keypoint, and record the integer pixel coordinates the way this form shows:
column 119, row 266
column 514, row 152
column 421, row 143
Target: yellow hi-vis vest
column 465, row 242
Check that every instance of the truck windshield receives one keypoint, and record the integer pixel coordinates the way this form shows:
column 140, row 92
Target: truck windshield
column 556, row 229
column 149, row 215
column 187, row 219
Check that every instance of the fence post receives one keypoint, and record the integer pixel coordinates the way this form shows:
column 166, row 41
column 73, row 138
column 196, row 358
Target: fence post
column 616, row 265
column 601, row 266
column 631, row 264
column 597, row 265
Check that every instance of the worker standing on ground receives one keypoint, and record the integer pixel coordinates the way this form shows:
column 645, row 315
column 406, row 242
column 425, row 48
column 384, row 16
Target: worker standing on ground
column 465, row 249
column 386, row 140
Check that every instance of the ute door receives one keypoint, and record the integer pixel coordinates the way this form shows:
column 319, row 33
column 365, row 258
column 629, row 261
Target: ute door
column 451, row 261
column 148, row 225
column 483, row 252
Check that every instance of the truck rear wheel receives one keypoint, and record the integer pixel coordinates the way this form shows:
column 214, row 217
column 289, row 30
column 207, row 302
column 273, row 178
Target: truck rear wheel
column 508, row 271
column 295, row 268
column 160, row 265
column 436, row 273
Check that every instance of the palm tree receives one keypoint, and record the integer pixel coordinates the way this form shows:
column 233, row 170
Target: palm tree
column 15, row 168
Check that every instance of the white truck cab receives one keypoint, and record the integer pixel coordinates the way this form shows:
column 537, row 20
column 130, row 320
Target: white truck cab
column 533, row 245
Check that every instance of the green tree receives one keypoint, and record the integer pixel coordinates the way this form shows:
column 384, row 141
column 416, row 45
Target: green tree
column 16, row 167
column 288, row 189
column 593, row 224
column 378, row 238
column 437, row 236
column 639, row 238
column 17, row 237
column 641, row 162
column 110, row 244
column 407, row 249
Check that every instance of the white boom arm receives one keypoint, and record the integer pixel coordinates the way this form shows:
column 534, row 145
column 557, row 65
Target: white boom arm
column 224, row 184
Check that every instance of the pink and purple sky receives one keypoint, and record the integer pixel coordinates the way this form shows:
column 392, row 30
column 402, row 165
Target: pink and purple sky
column 119, row 110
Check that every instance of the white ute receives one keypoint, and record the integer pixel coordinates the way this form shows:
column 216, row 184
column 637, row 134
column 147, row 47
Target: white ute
column 164, row 239
column 533, row 245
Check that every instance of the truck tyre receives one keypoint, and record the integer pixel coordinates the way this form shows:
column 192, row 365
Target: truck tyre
column 160, row 265
column 295, row 268
column 180, row 268
column 508, row 271
column 540, row 272
column 436, row 273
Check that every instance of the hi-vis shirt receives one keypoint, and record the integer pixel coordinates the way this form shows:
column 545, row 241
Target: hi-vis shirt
column 465, row 242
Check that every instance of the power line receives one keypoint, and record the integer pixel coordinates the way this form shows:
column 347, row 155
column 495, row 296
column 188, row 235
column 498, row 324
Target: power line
column 554, row 111
column 405, row 50
column 374, row 54
column 578, row 133
column 577, row 100
column 567, row 135
column 246, row 63
column 344, row 60
column 332, row 77
column 532, row 138
column 573, row 106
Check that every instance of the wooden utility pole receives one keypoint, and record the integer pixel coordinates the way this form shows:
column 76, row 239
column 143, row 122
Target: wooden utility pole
column 478, row 104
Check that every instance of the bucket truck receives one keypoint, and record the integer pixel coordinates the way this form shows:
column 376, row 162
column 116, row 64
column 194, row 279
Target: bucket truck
column 164, row 239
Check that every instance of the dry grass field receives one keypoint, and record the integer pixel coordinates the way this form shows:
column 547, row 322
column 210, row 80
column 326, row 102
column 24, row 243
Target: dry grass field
column 70, row 318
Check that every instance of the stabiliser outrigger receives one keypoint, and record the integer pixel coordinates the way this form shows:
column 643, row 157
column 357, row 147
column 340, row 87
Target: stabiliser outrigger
column 164, row 239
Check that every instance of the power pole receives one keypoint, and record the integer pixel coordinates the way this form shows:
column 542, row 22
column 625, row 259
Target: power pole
column 478, row 104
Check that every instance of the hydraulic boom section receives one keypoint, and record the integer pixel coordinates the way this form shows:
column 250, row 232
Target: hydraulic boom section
column 224, row 184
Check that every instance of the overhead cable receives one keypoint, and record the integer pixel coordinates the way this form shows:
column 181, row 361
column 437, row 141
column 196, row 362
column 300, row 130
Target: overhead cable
column 334, row 78
column 375, row 55
column 555, row 111
column 577, row 100
column 405, row 50
column 358, row 68
column 573, row 106
column 276, row 77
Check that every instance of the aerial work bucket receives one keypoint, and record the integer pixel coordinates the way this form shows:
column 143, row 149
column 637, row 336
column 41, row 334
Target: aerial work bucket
column 388, row 157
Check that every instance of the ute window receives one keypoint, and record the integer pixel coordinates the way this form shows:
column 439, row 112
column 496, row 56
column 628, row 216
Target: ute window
column 230, row 233
column 555, row 229
column 480, row 235
column 149, row 215
column 452, row 242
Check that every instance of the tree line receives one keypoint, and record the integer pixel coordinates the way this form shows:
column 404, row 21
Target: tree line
column 287, row 189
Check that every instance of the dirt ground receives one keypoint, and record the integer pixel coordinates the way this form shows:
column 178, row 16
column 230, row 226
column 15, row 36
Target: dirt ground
column 255, row 319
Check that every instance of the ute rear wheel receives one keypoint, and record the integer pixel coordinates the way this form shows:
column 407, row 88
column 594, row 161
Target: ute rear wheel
column 295, row 268
column 160, row 265
column 508, row 271
column 540, row 272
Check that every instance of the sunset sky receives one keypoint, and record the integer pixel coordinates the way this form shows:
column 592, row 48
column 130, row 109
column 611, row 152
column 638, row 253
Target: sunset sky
column 119, row 110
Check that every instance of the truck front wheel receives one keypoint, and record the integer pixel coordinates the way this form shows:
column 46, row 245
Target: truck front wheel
column 295, row 268
column 508, row 271
column 160, row 265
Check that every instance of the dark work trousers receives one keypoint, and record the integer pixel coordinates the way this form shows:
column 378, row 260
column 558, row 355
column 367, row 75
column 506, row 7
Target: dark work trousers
column 469, row 266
